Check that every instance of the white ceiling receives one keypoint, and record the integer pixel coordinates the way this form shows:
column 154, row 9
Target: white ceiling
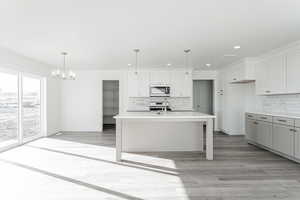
column 101, row 34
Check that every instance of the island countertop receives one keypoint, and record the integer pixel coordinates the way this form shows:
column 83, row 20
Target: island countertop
column 163, row 115
column 134, row 128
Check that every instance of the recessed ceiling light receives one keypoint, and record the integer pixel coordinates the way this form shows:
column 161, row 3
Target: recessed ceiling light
column 208, row 64
column 237, row 47
column 169, row 64
column 129, row 64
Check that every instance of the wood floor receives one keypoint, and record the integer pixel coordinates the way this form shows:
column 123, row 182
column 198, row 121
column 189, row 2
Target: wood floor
column 73, row 166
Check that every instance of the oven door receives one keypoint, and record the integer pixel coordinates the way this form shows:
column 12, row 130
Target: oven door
column 160, row 91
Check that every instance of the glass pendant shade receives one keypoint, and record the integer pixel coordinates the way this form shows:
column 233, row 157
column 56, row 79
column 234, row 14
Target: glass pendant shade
column 63, row 74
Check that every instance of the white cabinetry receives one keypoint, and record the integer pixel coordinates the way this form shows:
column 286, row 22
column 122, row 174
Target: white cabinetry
column 251, row 130
column 271, row 75
column 297, row 143
column 283, row 139
column 293, row 72
column 279, row 134
column 181, row 84
column 259, row 132
column 264, row 133
column 138, row 84
column 242, row 72
column 160, row 77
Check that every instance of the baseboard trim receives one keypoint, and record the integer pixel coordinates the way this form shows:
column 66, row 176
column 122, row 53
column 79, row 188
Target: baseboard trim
column 274, row 151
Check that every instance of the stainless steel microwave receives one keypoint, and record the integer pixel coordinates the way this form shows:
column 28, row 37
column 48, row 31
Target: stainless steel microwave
column 159, row 91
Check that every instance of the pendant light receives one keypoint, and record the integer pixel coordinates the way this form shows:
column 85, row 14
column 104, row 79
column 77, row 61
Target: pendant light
column 64, row 73
column 136, row 60
column 187, row 52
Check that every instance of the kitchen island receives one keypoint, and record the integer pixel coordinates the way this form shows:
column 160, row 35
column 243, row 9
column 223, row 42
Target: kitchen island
column 166, row 131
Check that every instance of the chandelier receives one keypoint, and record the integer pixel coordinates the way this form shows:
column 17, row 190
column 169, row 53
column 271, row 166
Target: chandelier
column 64, row 73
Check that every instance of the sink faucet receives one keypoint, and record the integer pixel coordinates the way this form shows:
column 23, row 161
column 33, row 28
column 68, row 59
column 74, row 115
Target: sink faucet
column 166, row 104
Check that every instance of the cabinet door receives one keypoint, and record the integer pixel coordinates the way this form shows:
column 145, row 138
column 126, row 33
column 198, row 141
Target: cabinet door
column 143, row 84
column 251, row 130
column 271, row 76
column 293, row 71
column 276, row 74
column 176, row 80
column 283, row 139
column 264, row 133
column 297, row 143
column 261, row 72
column 237, row 73
column 138, row 84
column 181, row 84
column 132, row 87
column 160, row 77
column 187, row 85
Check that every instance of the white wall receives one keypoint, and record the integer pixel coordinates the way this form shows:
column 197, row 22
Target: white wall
column 232, row 104
column 81, row 99
column 12, row 61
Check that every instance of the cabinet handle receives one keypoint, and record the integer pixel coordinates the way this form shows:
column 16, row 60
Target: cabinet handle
column 250, row 115
column 267, row 91
column 234, row 79
column 255, row 122
column 281, row 120
column 264, row 118
column 293, row 130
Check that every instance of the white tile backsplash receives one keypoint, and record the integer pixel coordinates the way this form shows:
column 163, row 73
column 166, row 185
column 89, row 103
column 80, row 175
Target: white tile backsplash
column 176, row 103
column 281, row 103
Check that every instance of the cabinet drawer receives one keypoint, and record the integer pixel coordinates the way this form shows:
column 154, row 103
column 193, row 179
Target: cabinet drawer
column 266, row 118
column 250, row 116
column 297, row 122
column 284, row 121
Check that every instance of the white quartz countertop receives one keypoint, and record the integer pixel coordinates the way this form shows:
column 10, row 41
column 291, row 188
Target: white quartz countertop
column 163, row 115
column 287, row 115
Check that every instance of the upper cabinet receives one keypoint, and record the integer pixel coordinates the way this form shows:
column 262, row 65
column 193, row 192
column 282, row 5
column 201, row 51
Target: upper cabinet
column 242, row 72
column 138, row 84
column 160, row 77
column 181, row 84
column 279, row 74
column 293, row 71
column 271, row 75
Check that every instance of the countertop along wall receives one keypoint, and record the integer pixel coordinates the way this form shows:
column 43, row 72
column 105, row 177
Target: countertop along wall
column 12, row 61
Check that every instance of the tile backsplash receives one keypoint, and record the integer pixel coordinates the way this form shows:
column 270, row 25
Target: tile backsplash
column 176, row 103
column 281, row 103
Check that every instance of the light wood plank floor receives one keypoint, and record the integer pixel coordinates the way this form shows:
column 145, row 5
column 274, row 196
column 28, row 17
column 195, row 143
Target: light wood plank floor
column 73, row 166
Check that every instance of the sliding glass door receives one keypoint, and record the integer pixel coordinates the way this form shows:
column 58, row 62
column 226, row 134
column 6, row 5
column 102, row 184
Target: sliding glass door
column 20, row 108
column 9, row 109
column 31, row 107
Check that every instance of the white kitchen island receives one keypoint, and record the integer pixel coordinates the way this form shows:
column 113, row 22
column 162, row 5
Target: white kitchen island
column 167, row 131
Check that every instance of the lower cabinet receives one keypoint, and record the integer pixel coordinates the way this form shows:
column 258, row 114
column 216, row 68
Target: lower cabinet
column 251, row 130
column 297, row 143
column 281, row 134
column 259, row 132
column 264, row 133
column 283, row 139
